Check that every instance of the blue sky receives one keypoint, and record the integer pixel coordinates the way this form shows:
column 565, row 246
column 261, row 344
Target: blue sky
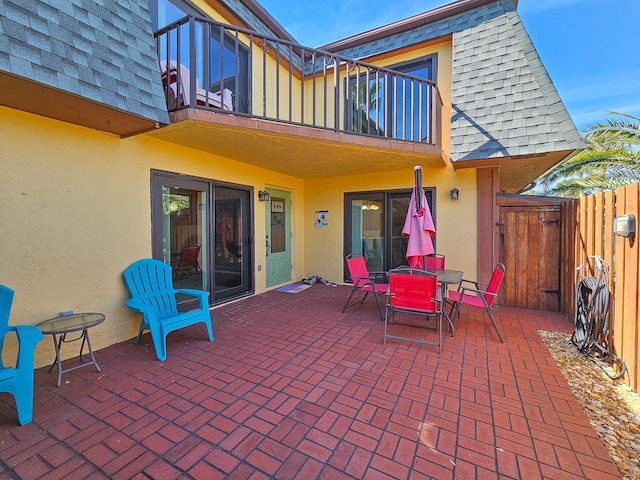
column 591, row 48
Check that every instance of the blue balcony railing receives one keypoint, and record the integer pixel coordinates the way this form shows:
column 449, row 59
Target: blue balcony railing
column 210, row 65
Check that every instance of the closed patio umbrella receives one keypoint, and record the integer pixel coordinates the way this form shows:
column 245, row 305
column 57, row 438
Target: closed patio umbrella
column 418, row 226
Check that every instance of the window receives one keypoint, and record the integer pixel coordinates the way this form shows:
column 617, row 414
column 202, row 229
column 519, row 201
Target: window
column 410, row 116
column 390, row 105
column 227, row 65
column 373, row 227
column 164, row 12
column 366, row 103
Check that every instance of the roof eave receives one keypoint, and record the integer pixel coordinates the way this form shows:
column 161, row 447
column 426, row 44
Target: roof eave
column 427, row 17
column 264, row 16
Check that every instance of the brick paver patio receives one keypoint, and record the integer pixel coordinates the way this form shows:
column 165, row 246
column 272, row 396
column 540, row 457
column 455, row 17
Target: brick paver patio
column 293, row 388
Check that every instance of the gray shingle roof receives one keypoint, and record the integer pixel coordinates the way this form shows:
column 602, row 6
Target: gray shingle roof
column 504, row 104
column 503, row 100
column 102, row 50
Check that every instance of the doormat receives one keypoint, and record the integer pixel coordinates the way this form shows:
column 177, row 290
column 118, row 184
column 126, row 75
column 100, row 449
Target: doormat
column 293, row 288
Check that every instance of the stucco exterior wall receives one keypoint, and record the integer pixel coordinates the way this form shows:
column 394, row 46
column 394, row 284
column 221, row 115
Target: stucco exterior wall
column 455, row 220
column 76, row 212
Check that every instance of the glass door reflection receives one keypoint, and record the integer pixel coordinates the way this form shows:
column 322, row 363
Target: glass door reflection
column 367, row 230
column 184, row 236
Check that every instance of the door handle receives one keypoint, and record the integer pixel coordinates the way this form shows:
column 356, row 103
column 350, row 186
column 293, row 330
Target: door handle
column 268, row 246
column 554, row 292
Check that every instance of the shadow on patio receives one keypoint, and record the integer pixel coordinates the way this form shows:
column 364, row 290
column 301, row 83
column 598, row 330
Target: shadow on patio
column 293, row 388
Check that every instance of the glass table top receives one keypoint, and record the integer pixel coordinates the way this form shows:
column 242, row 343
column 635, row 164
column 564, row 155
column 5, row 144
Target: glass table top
column 70, row 323
column 450, row 277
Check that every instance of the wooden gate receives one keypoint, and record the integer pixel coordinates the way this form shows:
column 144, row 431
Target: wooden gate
column 529, row 229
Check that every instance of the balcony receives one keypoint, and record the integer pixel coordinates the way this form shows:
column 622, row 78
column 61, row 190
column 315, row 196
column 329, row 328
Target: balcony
column 291, row 101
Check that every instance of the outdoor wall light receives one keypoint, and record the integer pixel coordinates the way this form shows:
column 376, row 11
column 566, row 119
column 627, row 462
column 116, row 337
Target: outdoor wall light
column 455, row 194
column 263, row 195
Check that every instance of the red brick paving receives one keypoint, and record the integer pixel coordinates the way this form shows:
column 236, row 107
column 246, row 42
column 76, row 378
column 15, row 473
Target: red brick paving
column 293, row 388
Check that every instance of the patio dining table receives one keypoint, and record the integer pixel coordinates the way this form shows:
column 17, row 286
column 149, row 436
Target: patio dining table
column 447, row 277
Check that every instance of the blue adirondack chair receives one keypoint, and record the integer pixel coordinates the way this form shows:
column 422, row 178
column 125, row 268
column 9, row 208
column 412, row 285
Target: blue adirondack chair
column 18, row 381
column 151, row 286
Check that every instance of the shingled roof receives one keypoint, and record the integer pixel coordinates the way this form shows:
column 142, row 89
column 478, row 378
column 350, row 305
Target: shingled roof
column 98, row 50
column 504, row 103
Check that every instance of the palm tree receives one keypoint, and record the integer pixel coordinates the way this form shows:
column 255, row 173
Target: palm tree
column 365, row 97
column 611, row 160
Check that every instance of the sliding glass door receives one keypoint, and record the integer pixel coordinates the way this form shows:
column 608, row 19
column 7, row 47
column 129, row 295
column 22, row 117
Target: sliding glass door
column 182, row 240
column 373, row 227
column 202, row 229
column 365, row 232
column 232, row 263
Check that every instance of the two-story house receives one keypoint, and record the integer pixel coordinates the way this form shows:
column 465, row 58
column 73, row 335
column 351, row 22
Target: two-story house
column 138, row 128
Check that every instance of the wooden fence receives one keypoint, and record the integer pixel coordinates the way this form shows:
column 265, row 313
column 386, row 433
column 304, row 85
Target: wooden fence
column 587, row 230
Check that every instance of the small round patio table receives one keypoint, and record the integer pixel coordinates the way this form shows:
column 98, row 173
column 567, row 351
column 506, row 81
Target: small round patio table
column 59, row 327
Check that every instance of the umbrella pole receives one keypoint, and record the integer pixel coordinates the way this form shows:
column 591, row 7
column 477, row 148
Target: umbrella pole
column 417, row 177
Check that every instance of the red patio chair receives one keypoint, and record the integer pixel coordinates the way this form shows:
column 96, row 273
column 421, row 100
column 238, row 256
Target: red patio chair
column 479, row 295
column 188, row 261
column 434, row 262
column 363, row 281
column 414, row 292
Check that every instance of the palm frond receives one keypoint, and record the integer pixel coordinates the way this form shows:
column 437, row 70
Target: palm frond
column 614, row 131
column 611, row 159
column 587, row 161
column 573, row 188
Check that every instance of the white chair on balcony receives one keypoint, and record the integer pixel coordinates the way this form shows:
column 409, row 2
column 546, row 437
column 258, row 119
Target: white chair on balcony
column 176, row 81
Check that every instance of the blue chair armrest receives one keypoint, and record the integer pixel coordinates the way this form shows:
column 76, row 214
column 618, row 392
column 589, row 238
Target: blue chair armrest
column 28, row 337
column 200, row 294
column 138, row 306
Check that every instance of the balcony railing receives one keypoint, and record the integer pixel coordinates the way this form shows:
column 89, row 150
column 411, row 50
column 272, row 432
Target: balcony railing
column 210, row 65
